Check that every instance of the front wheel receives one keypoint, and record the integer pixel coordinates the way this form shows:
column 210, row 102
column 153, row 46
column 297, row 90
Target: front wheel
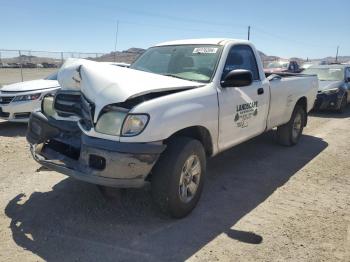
column 343, row 104
column 178, row 177
column 290, row 133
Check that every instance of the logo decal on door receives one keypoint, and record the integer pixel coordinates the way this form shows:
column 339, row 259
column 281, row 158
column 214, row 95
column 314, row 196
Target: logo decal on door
column 244, row 112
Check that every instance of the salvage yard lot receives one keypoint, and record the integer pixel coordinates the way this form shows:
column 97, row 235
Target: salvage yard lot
column 261, row 202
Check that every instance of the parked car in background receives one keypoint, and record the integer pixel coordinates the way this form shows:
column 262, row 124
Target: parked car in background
column 157, row 121
column 18, row 100
column 4, row 65
column 49, row 65
column 29, row 65
column 306, row 65
column 282, row 66
column 334, row 86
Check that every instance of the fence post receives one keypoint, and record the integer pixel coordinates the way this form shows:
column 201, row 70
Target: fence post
column 21, row 63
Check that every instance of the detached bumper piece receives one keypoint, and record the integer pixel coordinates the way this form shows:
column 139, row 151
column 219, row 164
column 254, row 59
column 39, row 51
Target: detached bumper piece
column 60, row 146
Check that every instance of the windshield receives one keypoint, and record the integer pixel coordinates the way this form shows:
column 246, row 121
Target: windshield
column 278, row 65
column 189, row 62
column 326, row 74
column 53, row 76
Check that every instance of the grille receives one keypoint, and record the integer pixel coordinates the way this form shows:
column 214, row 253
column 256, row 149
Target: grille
column 87, row 113
column 22, row 115
column 4, row 100
column 67, row 104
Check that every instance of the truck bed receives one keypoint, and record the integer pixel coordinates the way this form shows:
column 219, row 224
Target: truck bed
column 285, row 89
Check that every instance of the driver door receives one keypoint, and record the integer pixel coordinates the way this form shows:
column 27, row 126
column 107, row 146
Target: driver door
column 243, row 110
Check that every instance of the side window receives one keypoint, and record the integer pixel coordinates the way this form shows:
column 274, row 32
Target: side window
column 241, row 57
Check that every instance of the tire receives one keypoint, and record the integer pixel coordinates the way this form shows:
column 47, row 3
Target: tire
column 343, row 104
column 170, row 181
column 290, row 133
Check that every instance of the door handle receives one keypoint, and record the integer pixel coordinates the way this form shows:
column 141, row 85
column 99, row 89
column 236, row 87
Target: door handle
column 260, row 91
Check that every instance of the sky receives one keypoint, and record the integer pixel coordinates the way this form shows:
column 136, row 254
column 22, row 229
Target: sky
column 295, row 28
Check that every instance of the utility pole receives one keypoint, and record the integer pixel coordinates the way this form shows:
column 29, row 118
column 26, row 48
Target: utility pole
column 336, row 56
column 248, row 32
column 116, row 42
column 21, row 63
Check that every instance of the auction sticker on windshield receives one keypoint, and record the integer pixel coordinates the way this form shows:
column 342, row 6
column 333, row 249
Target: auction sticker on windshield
column 205, row 50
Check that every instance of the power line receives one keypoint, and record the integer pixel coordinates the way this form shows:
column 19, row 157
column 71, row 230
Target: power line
column 160, row 15
column 283, row 38
column 181, row 28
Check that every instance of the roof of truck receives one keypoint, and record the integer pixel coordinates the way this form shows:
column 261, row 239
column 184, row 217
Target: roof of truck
column 203, row 41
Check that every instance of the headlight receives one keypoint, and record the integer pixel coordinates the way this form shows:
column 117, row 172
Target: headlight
column 330, row 91
column 134, row 124
column 47, row 106
column 110, row 123
column 27, row 97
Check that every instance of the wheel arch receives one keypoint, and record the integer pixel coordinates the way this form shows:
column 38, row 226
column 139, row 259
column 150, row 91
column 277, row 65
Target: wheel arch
column 199, row 133
column 302, row 101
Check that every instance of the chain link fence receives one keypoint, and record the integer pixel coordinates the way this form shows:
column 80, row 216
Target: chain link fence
column 23, row 65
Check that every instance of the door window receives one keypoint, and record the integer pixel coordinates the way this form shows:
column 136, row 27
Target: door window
column 241, row 57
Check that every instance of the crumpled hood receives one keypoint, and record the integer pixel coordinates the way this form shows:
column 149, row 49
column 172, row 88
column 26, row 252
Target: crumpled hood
column 33, row 85
column 324, row 85
column 105, row 84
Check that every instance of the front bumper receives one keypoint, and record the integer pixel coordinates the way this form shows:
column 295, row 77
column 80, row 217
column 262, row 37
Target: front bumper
column 18, row 111
column 60, row 146
column 328, row 101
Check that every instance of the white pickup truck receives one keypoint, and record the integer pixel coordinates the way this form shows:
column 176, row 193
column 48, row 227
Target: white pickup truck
column 158, row 121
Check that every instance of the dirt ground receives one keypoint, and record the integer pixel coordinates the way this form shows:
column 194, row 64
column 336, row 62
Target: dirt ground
column 261, row 202
column 13, row 75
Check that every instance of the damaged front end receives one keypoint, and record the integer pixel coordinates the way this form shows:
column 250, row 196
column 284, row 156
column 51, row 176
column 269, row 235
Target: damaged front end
column 77, row 132
column 60, row 145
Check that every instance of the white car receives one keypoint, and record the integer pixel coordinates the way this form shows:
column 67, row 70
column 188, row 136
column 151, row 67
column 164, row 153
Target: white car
column 157, row 121
column 18, row 100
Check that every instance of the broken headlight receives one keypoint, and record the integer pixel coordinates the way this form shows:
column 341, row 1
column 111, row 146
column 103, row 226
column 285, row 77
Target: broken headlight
column 47, row 106
column 110, row 123
column 134, row 124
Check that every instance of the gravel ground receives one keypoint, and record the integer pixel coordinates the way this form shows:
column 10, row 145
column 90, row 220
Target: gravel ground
column 261, row 202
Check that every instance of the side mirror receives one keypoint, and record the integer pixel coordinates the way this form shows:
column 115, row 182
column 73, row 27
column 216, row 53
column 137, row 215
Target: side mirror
column 237, row 78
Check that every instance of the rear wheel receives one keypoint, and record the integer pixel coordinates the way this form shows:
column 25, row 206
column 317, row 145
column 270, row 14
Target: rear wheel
column 290, row 133
column 178, row 177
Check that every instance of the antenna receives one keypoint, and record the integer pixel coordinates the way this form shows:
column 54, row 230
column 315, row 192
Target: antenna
column 249, row 32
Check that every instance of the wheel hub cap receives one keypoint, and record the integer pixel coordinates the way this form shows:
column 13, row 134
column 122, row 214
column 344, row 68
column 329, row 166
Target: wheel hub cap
column 297, row 125
column 189, row 179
